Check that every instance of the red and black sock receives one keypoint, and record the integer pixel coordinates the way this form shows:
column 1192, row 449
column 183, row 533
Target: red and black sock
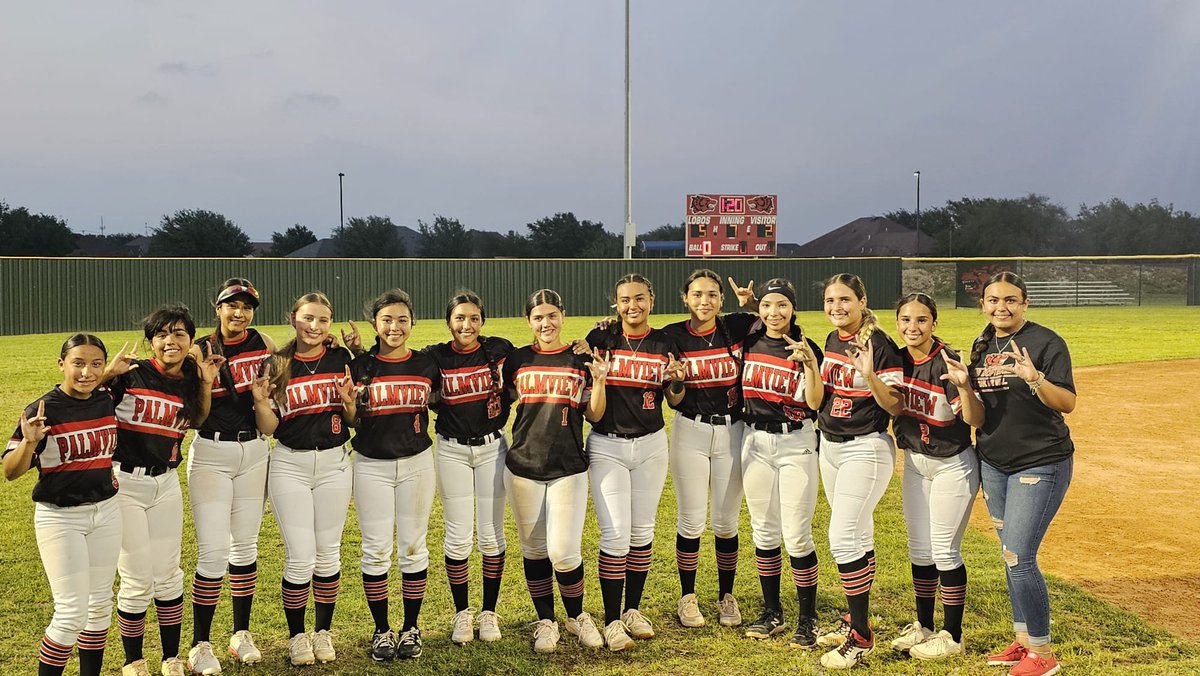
column 770, row 567
column 493, row 574
column 804, row 576
column 727, row 560
column 170, row 623
column 570, row 588
column 539, row 579
column 133, row 630
column 612, row 584
column 687, row 559
column 637, row 569
column 206, row 591
column 412, row 585
column 325, row 592
column 925, row 586
column 243, row 580
column 52, row 659
column 91, row 651
column 295, row 604
column 857, row 577
column 459, row 576
column 376, row 589
column 954, row 598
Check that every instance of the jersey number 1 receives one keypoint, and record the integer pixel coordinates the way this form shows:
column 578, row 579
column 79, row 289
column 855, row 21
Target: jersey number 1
column 564, row 417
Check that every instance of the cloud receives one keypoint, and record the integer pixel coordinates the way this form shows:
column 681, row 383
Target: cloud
column 303, row 101
column 152, row 98
column 186, row 69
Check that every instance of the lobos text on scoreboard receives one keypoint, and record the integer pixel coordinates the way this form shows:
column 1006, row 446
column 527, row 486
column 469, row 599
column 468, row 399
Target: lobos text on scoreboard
column 731, row 225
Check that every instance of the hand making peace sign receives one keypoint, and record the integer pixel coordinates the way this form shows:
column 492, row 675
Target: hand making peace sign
column 35, row 429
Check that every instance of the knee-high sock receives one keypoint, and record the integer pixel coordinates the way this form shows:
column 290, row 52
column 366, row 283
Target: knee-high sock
column 539, row 578
column 243, row 580
column 493, row 574
column 413, row 587
column 804, row 576
column 170, row 621
column 687, row 558
column 52, row 659
column 925, row 586
column 637, row 569
column 133, row 629
column 570, row 588
column 954, row 597
column 91, row 651
column 295, row 604
column 376, row 589
column 459, row 576
column 857, row 577
column 612, row 584
column 206, row 591
column 325, row 593
column 770, row 566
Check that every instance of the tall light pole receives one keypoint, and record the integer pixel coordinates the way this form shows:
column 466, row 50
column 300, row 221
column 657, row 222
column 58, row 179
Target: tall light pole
column 918, row 175
column 630, row 232
column 341, row 203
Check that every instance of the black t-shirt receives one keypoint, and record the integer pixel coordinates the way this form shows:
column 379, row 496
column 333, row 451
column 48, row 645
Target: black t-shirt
column 849, row 408
column 772, row 384
column 472, row 388
column 551, row 390
column 311, row 415
column 74, row 460
column 713, row 364
column 233, row 412
column 393, row 410
column 1019, row 431
column 637, row 372
column 930, row 424
column 150, row 422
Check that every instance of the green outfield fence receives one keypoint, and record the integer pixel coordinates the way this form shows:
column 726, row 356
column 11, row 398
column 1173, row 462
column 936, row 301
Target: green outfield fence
column 53, row 295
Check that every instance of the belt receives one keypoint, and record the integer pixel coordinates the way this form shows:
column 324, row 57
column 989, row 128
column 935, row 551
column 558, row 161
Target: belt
column 623, row 435
column 776, row 427
column 145, row 471
column 839, row 438
column 244, row 435
column 478, row 441
column 713, row 419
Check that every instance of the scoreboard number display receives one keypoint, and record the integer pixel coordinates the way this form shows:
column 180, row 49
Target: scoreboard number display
column 731, row 225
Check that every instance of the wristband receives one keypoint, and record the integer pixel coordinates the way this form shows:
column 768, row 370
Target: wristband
column 676, row 386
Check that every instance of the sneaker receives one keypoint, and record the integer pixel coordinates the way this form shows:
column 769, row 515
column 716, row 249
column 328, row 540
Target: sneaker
column 849, row 653
column 767, row 625
column 545, row 636
column 322, row 645
column 639, row 627
column 838, row 636
column 940, row 645
column 584, row 627
column 616, row 636
column 728, row 614
column 173, row 666
column 242, row 649
column 464, row 626
column 805, row 637
column 1009, row 657
column 489, row 626
column 409, row 646
column 137, row 668
column 201, row 660
column 910, row 635
column 300, row 650
column 383, row 646
column 689, row 612
column 1034, row 664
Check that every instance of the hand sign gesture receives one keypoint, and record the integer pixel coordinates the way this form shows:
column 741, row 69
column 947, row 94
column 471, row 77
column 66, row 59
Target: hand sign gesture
column 801, row 351
column 676, row 368
column 34, row 429
column 1022, row 366
column 353, row 340
column 210, row 368
column 263, row 389
column 864, row 359
column 745, row 294
column 122, row 362
column 346, row 387
column 956, row 372
column 599, row 366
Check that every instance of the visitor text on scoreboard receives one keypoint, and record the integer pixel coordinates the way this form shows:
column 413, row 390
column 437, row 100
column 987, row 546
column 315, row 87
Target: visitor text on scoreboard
column 731, row 225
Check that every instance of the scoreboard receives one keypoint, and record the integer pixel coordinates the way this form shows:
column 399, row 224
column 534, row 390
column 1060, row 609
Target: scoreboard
column 731, row 225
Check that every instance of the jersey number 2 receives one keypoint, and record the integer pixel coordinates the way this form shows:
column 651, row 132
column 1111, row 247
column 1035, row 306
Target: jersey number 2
column 924, row 433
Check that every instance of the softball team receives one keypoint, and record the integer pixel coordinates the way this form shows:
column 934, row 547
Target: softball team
column 471, row 450
column 546, row 467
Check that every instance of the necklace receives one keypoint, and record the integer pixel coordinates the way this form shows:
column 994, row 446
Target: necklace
column 633, row 349
column 996, row 339
column 312, row 371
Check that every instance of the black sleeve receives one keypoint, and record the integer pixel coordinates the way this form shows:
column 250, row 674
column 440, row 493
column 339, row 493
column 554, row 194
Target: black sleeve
column 510, row 387
column 817, row 352
column 1055, row 362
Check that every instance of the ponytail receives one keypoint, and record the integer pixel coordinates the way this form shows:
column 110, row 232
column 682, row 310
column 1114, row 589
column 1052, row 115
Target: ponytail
column 981, row 343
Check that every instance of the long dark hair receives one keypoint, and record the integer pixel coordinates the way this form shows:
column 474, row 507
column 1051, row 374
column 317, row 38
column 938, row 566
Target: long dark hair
column 163, row 318
column 464, row 296
column 989, row 331
column 216, row 341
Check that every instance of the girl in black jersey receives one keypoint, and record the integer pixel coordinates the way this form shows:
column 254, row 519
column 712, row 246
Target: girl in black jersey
column 941, row 477
column 546, row 467
column 393, row 473
column 1022, row 372
column 470, row 459
column 304, row 397
column 69, row 434
column 706, row 442
column 862, row 374
column 627, row 452
column 157, row 400
column 227, row 478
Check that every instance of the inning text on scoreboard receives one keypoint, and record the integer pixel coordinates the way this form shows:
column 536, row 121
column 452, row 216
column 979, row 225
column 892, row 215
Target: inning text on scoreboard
column 731, row 225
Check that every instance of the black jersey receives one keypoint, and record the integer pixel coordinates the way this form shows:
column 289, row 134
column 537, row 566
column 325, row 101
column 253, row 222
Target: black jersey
column 311, row 415
column 930, row 424
column 849, row 408
column 150, row 422
column 636, row 375
column 713, row 364
column 772, row 384
column 551, row 390
column 1019, row 431
column 233, row 412
column 393, row 410
column 74, row 460
column 471, row 388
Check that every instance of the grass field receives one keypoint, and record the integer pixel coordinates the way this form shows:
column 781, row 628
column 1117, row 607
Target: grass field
column 1092, row 636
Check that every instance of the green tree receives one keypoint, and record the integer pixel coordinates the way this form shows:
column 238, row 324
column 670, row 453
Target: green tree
column 370, row 237
column 1029, row 226
column 664, row 233
column 26, row 234
column 490, row 244
column 1116, row 228
column 565, row 236
column 446, row 238
column 198, row 233
column 293, row 239
column 937, row 229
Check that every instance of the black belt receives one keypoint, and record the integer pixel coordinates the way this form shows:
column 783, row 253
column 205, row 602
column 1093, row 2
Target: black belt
column 839, row 438
column 712, row 419
column 244, row 435
column 478, row 441
column 625, row 435
column 146, row 471
column 776, row 427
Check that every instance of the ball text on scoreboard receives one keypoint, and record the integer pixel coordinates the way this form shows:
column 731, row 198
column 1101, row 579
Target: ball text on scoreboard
column 731, row 225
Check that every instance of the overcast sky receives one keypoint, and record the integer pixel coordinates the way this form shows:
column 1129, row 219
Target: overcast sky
column 500, row 113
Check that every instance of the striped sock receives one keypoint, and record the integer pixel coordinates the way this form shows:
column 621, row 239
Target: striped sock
column 170, row 623
column 493, row 573
column 206, row 591
column 612, row 584
column 804, row 576
column 857, row 577
column 133, row 628
column 954, row 598
column 53, row 657
column 637, row 569
column 540, row 582
column 91, row 650
column 770, row 567
column 570, row 588
column 925, row 586
column 412, row 586
column 376, row 589
column 459, row 575
column 242, row 583
column 687, row 559
column 295, row 603
column 727, row 560
column 325, row 592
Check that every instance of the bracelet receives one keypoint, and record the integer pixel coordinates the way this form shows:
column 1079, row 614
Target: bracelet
column 1037, row 384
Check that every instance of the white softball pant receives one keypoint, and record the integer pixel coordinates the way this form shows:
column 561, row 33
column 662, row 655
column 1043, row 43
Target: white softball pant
column 855, row 474
column 152, row 513
column 310, row 495
column 470, row 481
column 549, row 516
column 394, row 497
column 79, row 548
column 938, row 494
column 706, row 460
column 227, row 487
column 627, row 477
column 780, row 476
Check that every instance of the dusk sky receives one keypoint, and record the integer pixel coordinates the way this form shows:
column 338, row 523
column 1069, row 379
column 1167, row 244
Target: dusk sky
column 500, row 113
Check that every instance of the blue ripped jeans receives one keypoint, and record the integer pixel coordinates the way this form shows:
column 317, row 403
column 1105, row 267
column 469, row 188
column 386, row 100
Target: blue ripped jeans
column 1021, row 505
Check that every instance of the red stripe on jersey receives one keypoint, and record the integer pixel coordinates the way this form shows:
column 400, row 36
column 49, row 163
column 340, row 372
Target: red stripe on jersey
column 169, row 432
column 80, row 465
column 312, row 410
column 80, row 426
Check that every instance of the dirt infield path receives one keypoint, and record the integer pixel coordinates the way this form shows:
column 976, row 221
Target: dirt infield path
column 1129, row 530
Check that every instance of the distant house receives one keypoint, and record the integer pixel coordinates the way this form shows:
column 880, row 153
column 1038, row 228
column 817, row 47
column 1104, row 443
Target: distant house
column 325, row 248
column 868, row 236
